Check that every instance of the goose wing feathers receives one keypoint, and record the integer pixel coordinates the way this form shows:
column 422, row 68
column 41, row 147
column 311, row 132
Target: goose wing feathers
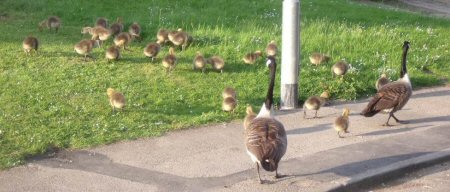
column 392, row 95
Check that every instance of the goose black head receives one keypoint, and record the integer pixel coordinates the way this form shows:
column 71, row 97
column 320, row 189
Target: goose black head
column 406, row 45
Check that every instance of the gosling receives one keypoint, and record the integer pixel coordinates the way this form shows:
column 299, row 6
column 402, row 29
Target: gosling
column 229, row 104
column 102, row 22
column 339, row 69
column 122, row 40
column 217, row 63
column 117, row 27
column 84, row 47
column 314, row 103
column 29, row 44
column 162, row 36
column 249, row 117
column 180, row 38
column 112, row 53
column 152, row 50
column 199, row 62
column 116, row 99
column 318, row 58
column 272, row 49
column 135, row 31
column 228, row 92
column 52, row 22
column 250, row 58
column 383, row 80
column 170, row 60
column 97, row 33
column 342, row 122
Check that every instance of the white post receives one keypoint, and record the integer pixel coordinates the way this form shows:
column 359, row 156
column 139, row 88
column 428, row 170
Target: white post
column 290, row 52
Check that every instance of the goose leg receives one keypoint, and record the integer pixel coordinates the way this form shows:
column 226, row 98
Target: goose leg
column 387, row 122
column 304, row 113
column 339, row 134
column 315, row 116
column 276, row 174
column 397, row 120
column 259, row 176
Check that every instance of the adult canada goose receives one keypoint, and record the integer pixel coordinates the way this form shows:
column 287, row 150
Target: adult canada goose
column 30, row 43
column 152, row 50
column 217, row 63
column 342, row 122
column 122, row 40
column 84, row 47
column 392, row 96
column 266, row 139
column 251, row 58
column 52, row 22
column 103, row 22
column 162, row 36
column 340, row 68
column 112, row 53
column 382, row 81
column 116, row 99
column 180, row 38
column 170, row 60
column 271, row 49
column 135, row 31
column 314, row 103
column 117, row 27
column 228, row 92
column 97, row 33
column 318, row 58
column 199, row 62
column 249, row 117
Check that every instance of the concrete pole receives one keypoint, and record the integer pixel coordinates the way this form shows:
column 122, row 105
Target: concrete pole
column 290, row 52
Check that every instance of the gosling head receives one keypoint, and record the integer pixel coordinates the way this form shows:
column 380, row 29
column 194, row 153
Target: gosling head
column 325, row 95
column 249, row 110
column 109, row 91
column 345, row 112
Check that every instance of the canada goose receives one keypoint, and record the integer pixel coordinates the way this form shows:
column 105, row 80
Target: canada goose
column 229, row 92
column 117, row 27
column 98, row 33
column 342, row 122
column 122, row 40
column 318, row 58
column 199, row 62
column 102, row 22
column 272, row 49
column 229, row 104
column 84, row 47
column 112, row 53
column 249, row 117
column 180, row 38
column 250, row 58
column 50, row 23
column 340, row 68
column 266, row 139
column 116, row 99
column 162, row 36
column 383, row 80
column 29, row 44
column 152, row 50
column 170, row 60
column 135, row 31
column 314, row 103
column 217, row 63
column 392, row 96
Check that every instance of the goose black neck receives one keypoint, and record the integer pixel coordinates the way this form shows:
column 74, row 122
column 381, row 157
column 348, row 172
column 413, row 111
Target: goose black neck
column 269, row 97
column 403, row 70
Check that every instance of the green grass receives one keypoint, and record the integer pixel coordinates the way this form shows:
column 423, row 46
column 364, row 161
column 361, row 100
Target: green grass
column 54, row 99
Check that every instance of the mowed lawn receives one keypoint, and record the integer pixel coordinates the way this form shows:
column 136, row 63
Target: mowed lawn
column 54, row 99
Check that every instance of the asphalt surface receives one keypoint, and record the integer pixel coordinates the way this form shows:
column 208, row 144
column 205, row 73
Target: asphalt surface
column 213, row 158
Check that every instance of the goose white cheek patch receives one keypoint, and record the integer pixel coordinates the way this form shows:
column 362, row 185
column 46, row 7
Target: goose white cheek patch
column 268, row 62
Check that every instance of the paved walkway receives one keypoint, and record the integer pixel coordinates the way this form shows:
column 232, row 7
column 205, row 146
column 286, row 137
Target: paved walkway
column 213, row 158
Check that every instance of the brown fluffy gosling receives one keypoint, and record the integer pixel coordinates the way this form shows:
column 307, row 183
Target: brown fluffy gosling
column 135, row 31
column 249, row 117
column 102, row 22
column 314, row 103
column 340, row 68
column 217, row 63
column 383, row 80
column 29, row 44
column 180, row 38
column 52, row 22
column 170, row 60
column 199, row 62
column 97, row 33
column 229, row 92
column 229, row 104
column 162, row 36
column 117, row 27
column 122, row 40
column 272, row 49
column 112, row 53
column 342, row 122
column 152, row 50
column 84, row 47
column 116, row 99
column 250, row 58
column 318, row 58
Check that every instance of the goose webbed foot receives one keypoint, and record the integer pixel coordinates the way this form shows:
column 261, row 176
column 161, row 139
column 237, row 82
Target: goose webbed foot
column 399, row 121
